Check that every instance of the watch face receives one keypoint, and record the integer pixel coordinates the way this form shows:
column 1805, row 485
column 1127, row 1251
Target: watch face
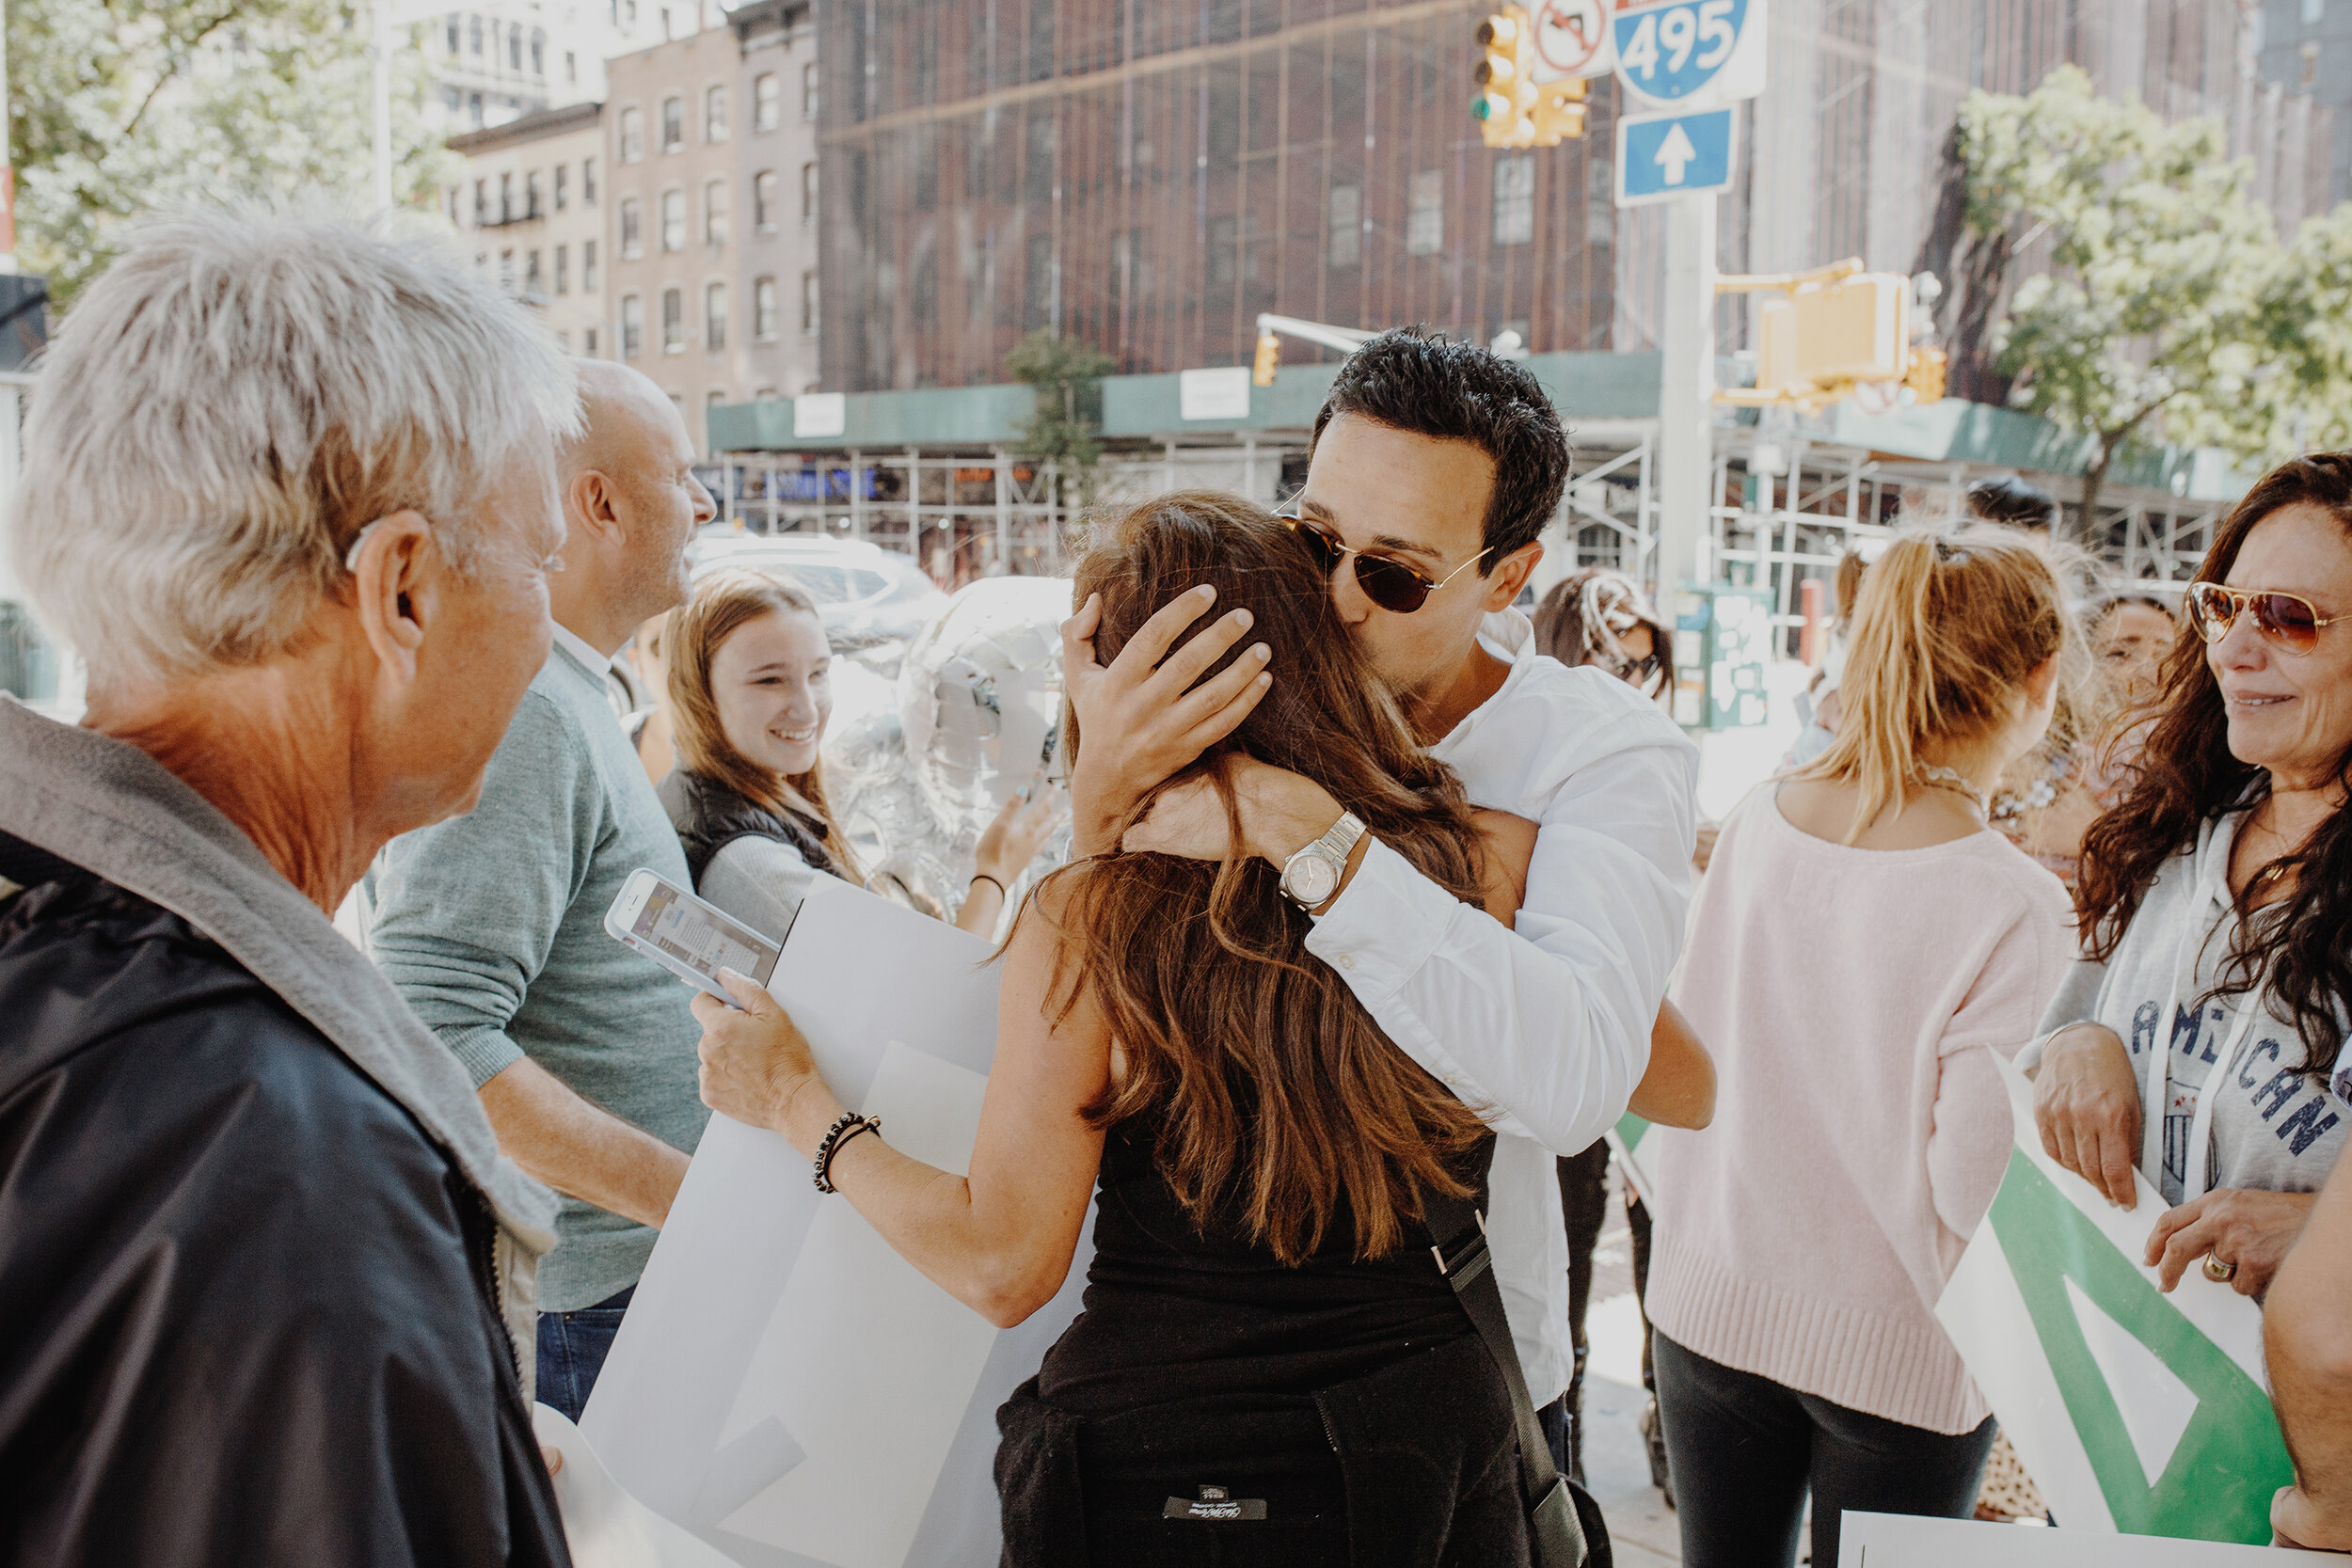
column 1310, row 879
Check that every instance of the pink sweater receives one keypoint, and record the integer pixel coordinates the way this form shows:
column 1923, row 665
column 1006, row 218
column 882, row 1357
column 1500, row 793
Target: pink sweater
column 1853, row 999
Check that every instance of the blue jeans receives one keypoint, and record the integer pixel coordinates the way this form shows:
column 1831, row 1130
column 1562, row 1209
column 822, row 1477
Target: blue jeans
column 572, row 1348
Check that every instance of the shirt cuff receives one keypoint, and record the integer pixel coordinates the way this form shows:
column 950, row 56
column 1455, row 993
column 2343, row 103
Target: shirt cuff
column 483, row 1053
column 1385, row 924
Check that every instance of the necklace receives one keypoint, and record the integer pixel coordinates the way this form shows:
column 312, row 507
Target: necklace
column 1936, row 777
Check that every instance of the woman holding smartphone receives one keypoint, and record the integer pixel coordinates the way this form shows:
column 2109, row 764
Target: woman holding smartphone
column 751, row 692
column 1263, row 1314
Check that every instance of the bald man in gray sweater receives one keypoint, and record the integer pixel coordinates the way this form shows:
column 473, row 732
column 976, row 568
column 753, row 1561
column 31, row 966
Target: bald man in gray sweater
column 491, row 925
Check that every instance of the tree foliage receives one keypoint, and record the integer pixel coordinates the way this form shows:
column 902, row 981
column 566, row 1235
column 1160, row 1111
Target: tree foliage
column 2155, row 320
column 1068, row 375
column 120, row 107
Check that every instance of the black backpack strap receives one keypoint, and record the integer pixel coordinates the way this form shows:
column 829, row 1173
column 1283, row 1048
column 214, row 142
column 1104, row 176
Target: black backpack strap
column 1556, row 1536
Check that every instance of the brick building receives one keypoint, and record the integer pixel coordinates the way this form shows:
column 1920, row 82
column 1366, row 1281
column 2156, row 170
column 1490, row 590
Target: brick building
column 711, row 214
column 530, row 202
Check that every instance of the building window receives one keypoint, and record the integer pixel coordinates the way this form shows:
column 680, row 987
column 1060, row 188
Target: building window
column 632, row 228
column 632, row 326
column 564, row 341
column 1514, row 199
column 571, row 73
column 506, row 271
column 563, row 187
column 764, row 200
column 808, row 192
column 764, row 308
column 473, row 34
column 452, row 32
column 588, row 268
column 473, row 109
column 810, row 95
column 809, row 314
column 767, row 100
column 539, row 53
column 715, row 316
column 674, row 220
column 452, row 206
column 1425, row 222
column 673, row 124
column 588, row 342
column 588, row 182
column 506, row 198
column 533, row 283
column 531, row 194
column 1224, row 251
column 562, row 269
column 513, row 48
column 714, row 114
column 715, row 213
column 674, row 321
column 632, row 135
column 1346, row 245
column 481, row 203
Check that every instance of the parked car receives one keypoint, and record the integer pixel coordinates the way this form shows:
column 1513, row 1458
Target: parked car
column 866, row 596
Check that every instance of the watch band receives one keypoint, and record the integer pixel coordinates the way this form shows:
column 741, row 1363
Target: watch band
column 1312, row 876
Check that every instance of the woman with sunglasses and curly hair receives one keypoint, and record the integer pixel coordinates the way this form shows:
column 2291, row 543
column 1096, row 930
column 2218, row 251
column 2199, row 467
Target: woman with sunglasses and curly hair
column 2193, row 1041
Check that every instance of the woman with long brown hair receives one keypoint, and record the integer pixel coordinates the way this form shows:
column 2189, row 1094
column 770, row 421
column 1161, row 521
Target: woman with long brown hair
column 751, row 692
column 1262, row 1314
column 2193, row 1041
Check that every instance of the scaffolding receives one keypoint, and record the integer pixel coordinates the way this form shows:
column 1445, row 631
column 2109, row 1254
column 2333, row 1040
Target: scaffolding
column 1781, row 511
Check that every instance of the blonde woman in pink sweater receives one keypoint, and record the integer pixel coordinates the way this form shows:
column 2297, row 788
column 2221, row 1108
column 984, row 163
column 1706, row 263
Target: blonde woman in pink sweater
column 1863, row 946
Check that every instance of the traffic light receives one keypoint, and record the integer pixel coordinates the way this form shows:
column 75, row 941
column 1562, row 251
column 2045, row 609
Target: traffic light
column 1559, row 112
column 1269, row 356
column 1926, row 379
column 1506, row 107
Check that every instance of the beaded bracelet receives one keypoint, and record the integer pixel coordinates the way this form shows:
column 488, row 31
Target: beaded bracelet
column 849, row 1126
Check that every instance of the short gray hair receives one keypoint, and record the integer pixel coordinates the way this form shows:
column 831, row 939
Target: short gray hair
column 241, row 394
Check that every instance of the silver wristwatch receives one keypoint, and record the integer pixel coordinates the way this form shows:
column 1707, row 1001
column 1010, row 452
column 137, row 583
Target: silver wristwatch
column 1313, row 875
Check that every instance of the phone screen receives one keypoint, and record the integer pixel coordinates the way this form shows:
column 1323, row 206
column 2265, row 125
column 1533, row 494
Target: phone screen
column 692, row 933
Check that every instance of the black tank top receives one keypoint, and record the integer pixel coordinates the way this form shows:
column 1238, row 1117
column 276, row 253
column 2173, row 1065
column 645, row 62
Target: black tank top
column 1175, row 1313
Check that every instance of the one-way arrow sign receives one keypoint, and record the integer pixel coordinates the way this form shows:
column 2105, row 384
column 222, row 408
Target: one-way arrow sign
column 1661, row 156
column 1675, row 154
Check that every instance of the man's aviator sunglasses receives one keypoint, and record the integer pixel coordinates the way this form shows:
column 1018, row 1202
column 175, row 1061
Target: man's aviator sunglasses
column 2287, row 619
column 1386, row 580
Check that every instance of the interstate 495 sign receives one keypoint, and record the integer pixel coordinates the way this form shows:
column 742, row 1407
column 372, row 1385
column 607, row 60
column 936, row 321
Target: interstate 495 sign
column 1686, row 53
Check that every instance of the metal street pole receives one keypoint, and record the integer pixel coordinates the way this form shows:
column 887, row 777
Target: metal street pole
column 1685, row 396
column 7, row 158
column 380, row 16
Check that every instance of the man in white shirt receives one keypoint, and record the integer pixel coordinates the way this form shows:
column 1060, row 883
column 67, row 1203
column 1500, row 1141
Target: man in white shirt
column 1435, row 467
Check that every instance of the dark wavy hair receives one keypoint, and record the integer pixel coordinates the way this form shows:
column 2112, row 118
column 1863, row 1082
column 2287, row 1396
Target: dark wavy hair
column 1272, row 1090
column 1409, row 378
column 2186, row 774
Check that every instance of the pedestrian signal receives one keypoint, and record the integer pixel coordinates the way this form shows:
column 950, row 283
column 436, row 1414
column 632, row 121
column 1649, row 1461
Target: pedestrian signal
column 1926, row 379
column 1506, row 108
column 1559, row 112
column 1269, row 358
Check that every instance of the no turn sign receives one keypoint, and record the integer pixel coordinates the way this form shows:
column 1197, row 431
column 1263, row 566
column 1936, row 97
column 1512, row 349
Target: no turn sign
column 1571, row 41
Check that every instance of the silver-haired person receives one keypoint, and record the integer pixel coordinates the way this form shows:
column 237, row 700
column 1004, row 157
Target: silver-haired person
column 266, row 1281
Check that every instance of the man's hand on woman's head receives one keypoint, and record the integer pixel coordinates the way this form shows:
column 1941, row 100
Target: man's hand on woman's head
column 2085, row 1105
column 756, row 1067
column 1142, row 718
column 1282, row 813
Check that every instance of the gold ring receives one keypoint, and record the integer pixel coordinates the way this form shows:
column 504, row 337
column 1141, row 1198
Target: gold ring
column 2218, row 1271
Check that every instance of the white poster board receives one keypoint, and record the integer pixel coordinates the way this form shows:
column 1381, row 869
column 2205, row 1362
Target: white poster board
column 785, row 1385
column 2134, row 1410
column 1900, row 1541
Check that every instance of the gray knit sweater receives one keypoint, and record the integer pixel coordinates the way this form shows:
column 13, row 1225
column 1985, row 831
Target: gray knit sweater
column 491, row 925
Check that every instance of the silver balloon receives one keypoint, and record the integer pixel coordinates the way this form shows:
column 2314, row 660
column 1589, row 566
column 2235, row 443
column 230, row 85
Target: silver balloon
column 979, row 701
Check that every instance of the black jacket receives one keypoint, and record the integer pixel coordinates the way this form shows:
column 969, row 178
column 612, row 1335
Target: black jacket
column 247, row 1306
column 709, row 816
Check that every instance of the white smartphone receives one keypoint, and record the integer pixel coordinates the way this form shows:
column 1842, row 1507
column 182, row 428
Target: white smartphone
column 691, row 938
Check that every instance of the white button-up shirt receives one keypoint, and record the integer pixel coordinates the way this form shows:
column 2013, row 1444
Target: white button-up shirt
column 1544, row 1029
